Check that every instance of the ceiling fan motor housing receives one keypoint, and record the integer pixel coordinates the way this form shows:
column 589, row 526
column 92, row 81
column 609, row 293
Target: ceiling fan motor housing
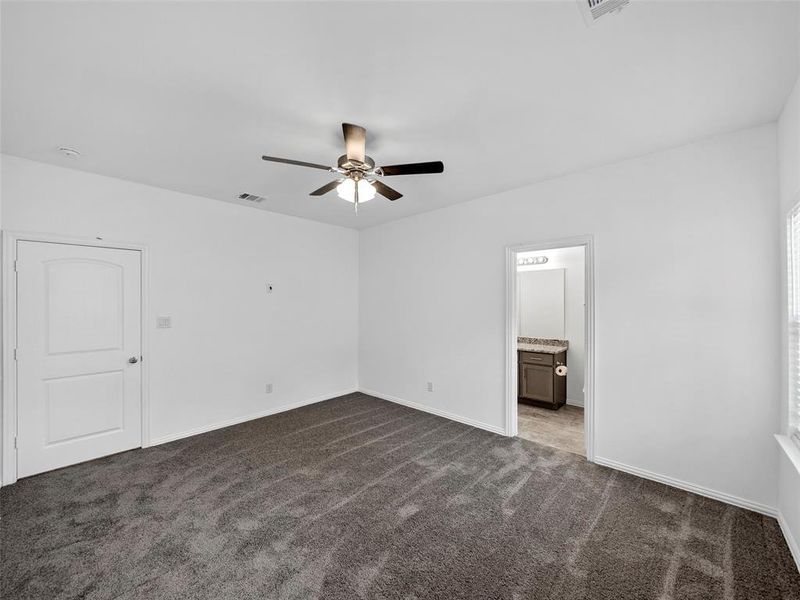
column 355, row 165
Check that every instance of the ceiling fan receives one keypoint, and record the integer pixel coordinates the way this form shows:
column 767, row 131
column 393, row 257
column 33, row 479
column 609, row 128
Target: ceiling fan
column 358, row 176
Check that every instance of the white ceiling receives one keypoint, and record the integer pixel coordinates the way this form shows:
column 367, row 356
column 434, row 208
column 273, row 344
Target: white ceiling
column 187, row 96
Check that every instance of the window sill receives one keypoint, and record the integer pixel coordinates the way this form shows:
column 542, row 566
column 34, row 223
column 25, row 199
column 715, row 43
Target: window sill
column 791, row 449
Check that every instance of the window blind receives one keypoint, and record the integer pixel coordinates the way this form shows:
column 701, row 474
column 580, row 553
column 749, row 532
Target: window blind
column 793, row 262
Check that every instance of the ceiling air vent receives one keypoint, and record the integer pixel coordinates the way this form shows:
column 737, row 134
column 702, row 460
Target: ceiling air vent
column 251, row 198
column 594, row 9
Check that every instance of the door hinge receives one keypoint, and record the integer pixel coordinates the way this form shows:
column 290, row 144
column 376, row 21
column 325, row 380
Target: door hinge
column 16, row 265
column 15, row 354
column 15, row 443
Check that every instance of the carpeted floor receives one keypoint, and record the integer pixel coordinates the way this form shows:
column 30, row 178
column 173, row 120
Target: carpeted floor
column 360, row 498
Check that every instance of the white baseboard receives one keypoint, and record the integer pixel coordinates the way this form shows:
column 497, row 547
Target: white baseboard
column 794, row 546
column 575, row 403
column 769, row 511
column 236, row 420
column 435, row 411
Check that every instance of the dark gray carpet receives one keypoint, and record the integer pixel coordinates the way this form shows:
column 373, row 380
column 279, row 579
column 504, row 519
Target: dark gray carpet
column 360, row 498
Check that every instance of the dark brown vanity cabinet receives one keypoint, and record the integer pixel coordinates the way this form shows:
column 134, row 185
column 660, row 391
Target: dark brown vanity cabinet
column 538, row 382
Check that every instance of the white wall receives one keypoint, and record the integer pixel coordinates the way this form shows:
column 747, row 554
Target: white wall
column 685, row 310
column 686, row 338
column 572, row 260
column 789, row 161
column 210, row 262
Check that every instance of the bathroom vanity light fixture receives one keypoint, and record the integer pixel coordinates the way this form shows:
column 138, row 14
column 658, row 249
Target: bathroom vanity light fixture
column 531, row 260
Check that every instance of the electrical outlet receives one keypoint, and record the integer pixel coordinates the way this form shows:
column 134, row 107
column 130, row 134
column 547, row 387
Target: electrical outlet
column 430, row 386
column 163, row 322
column 268, row 388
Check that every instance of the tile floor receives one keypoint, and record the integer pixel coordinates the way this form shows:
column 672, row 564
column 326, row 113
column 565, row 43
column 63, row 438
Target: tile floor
column 562, row 428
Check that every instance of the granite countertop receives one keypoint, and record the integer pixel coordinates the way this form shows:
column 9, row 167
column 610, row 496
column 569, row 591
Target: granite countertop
column 543, row 345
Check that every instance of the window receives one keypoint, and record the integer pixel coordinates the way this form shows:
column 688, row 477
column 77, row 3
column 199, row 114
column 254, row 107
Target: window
column 793, row 251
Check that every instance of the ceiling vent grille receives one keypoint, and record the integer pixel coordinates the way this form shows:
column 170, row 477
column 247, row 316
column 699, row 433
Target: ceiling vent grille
column 251, row 198
column 594, row 9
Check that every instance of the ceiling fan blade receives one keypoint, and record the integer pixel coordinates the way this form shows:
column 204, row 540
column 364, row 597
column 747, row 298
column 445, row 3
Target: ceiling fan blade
column 299, row 163
column 385, row 190
column 325, row 188
column 355, row 141
column 414, row 168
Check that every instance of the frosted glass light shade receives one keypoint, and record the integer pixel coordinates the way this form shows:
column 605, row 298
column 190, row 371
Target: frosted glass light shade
column 347, row 190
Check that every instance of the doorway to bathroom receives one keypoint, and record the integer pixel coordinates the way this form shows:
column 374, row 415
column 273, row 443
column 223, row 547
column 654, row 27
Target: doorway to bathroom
column 549, row 345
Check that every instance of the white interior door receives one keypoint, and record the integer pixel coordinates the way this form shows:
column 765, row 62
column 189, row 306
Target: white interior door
column 78, row 354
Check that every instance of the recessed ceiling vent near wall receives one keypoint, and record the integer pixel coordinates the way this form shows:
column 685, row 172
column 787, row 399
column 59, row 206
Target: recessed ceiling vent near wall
column 251, row 198
column 594, row 9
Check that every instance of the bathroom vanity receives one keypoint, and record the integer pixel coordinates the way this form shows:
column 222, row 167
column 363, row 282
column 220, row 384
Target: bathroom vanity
column 538, row 381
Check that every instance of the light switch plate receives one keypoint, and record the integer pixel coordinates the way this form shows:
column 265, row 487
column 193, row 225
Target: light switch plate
column 163, row 322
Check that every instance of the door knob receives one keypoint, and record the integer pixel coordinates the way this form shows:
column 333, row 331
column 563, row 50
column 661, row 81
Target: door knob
column 133, row 360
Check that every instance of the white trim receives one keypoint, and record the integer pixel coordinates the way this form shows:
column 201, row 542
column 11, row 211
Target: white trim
column 793, row 454
column 8, row 462
column 587, row 241
column 435, row 411
column 792, row 303
column 794, row 547
column 791, row 450
column 252, row 416
column 770, row 511
column 511, row 345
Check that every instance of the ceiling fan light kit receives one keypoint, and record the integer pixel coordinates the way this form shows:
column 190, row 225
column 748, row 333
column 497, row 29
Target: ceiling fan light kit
column 358, row 176
column 346, row 190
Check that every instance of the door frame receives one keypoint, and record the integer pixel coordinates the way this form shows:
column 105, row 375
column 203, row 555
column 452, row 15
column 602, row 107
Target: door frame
column 512, row 327
column 8, row 414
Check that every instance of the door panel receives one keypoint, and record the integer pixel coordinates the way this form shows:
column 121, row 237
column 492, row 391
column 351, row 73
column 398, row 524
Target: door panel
column 84, row 317
column 83, row 406
column 78, row 323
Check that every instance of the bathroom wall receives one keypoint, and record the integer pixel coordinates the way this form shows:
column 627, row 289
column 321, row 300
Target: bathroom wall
column 572, row 261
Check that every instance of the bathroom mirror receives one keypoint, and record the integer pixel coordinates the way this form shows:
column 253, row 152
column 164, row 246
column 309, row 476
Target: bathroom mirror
column 540, row 298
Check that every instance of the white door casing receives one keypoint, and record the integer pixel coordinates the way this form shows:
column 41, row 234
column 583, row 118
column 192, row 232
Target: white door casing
column 512, row 329
column 78, row 332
